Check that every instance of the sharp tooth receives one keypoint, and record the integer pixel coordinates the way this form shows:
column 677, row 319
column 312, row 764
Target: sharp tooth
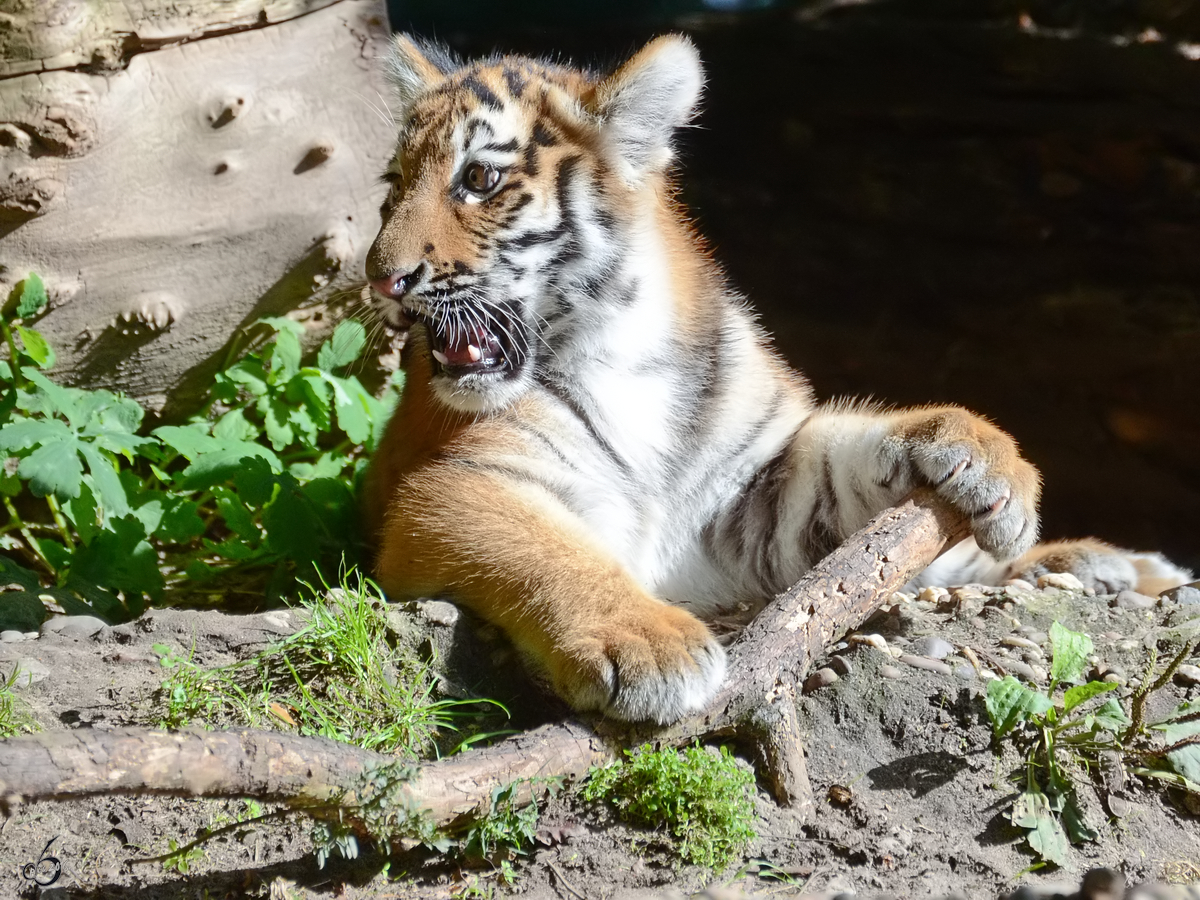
column 474, row 352
column 440, row 357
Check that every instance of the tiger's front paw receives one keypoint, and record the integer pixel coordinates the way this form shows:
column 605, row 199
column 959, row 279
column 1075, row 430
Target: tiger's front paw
column 1102, row 567
column 653, row 663
column 975, row 467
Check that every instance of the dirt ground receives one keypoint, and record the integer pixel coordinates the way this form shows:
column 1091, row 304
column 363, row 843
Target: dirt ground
column 911, row 799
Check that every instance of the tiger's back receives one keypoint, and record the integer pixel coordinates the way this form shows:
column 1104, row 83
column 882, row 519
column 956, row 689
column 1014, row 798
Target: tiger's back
column 595, row 434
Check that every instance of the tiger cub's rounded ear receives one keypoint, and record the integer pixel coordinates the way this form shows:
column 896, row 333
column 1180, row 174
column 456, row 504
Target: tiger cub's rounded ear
column 644, row 101
column 414, row 66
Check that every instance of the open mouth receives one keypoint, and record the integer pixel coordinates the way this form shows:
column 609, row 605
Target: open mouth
column 468, row 348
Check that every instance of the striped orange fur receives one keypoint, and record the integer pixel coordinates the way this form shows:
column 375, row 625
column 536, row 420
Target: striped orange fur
column 597, row 446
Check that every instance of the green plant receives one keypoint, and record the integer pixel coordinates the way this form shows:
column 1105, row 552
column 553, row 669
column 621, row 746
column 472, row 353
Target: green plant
column 107, row 514
column 703, row 800
column 508, row 827
column 339, row 676
column 14, row 716
column 1068, row 734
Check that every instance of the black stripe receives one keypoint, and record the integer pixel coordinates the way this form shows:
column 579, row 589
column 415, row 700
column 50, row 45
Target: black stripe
column 482, row 92
column 474, row 126
column 516, row 84
column 533, row 238
column 559, row 393
column 530, row 160
column 543, row 136
column 507, row 147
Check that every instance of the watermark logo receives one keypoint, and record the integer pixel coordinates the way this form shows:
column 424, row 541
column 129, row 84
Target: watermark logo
column 46, row 870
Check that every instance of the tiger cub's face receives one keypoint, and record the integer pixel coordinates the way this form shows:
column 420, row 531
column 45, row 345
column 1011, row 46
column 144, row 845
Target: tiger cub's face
column 514, row 196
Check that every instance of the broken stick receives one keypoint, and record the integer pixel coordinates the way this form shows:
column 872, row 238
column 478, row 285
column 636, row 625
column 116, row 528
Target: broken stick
column 756, row 706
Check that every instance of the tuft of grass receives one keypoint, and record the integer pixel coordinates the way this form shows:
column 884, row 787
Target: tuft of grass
column 14, row 715
column 339, row 676
column 704, row 800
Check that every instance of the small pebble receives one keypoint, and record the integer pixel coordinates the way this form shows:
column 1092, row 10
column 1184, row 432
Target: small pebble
column 929, row 665
column 933, row 595
column 1038, row 637
column 1013, row 640
column 1184, row 595
column 965, row 672
column 891, row 672
column 1102, row 884
column 871, row 640
column 1064, row 581
column 1015, row 667
column 932, row 646
column 841, row 665
column 76, row 627
column 1132, row 600
column 1113, row 678
column 11, row 637
column 438, row 611
column 1020, row 584
column 819, row 679
column 967, row 594
column 32, row 635
column 903, row 597
column 278, row 620
column 1184, row 675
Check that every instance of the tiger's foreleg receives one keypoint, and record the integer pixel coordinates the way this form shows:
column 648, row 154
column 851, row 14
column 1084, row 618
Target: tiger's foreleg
column 511, row 552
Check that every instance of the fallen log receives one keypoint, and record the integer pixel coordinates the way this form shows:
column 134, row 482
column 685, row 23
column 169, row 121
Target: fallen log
column 756, row 707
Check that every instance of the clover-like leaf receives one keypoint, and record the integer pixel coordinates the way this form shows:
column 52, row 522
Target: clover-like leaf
column 284, row 353
column 37, row 347
column 32, row 296
column 343, row 347
column 54, row 468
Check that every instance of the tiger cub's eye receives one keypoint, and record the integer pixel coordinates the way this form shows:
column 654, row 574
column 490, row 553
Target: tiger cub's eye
column 479, row 178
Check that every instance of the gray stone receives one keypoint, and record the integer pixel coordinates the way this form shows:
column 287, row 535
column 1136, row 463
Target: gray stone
column 933, row 647
column 1064, row 581
column 1184, row 595
column 30, row 672
column 929, row 665
column 1187, row 675
column 1132, row 600
column 77, row 627
column 891, row 672
column 439, row 611
column 11, row 637
column 965, row 672
column 841, row 665
column 819, row 679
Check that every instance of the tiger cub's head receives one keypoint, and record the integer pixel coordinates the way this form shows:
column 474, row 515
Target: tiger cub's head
column 514, row 205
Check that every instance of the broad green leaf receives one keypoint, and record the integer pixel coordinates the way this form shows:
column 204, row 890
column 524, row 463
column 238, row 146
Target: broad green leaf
column 180, row 523
column 293, row 528
column 1071, row 651
column 110, row 491
column 120, row 559
column 249, row 374
column 14, row 573
column 187, row 440
column 10, row 483
column 354, row 408
column 234, row 426
column 83, row 512
column 8, row 403
column 304, row 426
column 1009, row 702
column 150, row 513
column 1185, row 760
column 103, row 603
column 343, row 346
column 1076, row 825
column 1031, row 810
column 32, row 297
column 237, row 517
column 57, row 400
column 21, row 611
column 275, row 415
column 314, row 392
column 30, row 432
column 37, row 347
column 284, row 354
column 54, row 468
column 1083, row 693
column 335, row 506
column 255, row 481
column 58, row 555
column 282, row 325
column 225, row 463
column 1111, row 717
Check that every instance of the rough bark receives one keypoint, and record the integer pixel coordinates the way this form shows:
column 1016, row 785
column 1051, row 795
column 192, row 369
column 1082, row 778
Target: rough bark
column 176, row 170
column 757, row 706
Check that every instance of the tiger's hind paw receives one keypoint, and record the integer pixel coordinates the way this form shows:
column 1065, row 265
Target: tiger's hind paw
column 1100, row 566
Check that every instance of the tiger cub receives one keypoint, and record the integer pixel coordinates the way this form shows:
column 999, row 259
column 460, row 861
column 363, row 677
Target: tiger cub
column 597, row 446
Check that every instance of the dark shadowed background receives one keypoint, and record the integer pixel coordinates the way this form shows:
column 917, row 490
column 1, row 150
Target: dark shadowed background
column 991, row 204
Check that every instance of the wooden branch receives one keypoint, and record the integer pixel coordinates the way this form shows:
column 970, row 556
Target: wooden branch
column 757, row 705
